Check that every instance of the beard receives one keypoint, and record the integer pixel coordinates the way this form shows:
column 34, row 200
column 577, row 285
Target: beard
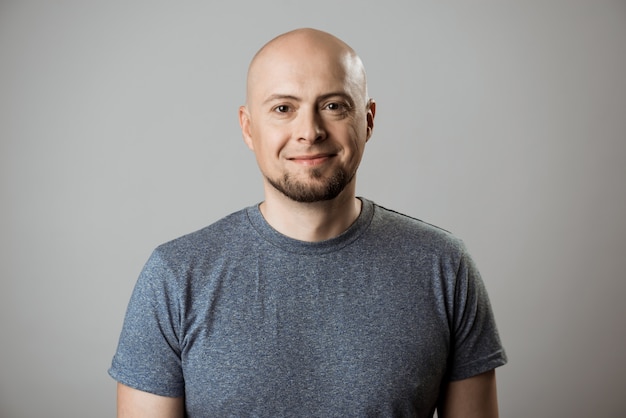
column 317, row 190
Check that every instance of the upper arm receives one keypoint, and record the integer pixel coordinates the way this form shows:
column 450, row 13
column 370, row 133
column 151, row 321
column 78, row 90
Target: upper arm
column 133, row 403
column 475, row 397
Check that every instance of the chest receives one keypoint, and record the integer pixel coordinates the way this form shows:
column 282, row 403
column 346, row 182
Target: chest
column 305, row 339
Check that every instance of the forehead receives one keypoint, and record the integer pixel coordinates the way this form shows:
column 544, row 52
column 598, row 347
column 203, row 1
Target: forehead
column 305, row 69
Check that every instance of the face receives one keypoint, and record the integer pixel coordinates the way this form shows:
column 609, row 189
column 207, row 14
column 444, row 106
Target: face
column 307, row 120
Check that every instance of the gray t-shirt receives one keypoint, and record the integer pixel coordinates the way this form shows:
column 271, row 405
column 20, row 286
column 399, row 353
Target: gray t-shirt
column 244, row 321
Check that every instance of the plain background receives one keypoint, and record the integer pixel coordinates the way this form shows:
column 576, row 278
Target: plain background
column 501, row 121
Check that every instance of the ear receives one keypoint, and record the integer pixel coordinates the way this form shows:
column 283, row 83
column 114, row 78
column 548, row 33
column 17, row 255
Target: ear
column 244, row 122
column 371, row 112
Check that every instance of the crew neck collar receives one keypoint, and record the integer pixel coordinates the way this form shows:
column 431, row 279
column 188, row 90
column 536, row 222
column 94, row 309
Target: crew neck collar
column 271, row 235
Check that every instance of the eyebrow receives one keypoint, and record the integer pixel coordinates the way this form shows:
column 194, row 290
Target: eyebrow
column 274, row 97
column 279, row 96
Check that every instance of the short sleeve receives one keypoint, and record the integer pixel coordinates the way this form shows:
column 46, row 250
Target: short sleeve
column 476, row 345
column 148, row 352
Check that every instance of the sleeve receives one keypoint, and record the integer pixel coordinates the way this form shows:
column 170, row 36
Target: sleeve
column 476, row 345
column 148, row 352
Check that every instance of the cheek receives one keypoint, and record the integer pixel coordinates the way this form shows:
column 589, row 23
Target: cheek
column 357, row 136
column 268, row 143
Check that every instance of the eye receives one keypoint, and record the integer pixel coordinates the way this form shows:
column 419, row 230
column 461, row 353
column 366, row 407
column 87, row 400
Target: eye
column 334, row 106
column 340, row 108
column 282, row 109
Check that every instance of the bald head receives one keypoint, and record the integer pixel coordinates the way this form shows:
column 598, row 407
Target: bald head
column 303, row 46
column 307, row 116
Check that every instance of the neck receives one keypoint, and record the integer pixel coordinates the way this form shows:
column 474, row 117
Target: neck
column 311, row 222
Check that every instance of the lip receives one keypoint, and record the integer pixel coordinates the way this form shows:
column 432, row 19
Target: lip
column 311, row 160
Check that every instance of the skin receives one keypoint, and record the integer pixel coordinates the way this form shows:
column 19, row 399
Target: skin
column 133, row 403
column 475, row 397
column 307, row 118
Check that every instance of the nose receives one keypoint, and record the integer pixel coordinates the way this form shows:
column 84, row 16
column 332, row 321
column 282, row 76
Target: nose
column 311, row 127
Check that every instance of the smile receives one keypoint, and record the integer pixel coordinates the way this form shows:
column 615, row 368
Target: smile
column 311, row 160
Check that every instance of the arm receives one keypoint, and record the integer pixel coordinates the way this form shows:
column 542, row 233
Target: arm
column 475, row 397
column 133, row 403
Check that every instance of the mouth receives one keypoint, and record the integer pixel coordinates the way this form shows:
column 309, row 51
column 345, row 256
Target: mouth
column 311, row 160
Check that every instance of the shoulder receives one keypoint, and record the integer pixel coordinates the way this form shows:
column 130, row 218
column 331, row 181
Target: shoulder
column 220, row 230
column 209, row 242
column 405, row 230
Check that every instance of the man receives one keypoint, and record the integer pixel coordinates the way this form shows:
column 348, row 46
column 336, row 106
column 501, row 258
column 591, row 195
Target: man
column 314, row 303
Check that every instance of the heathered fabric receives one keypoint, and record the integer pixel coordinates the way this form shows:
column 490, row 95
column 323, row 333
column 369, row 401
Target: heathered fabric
column 244, row 321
